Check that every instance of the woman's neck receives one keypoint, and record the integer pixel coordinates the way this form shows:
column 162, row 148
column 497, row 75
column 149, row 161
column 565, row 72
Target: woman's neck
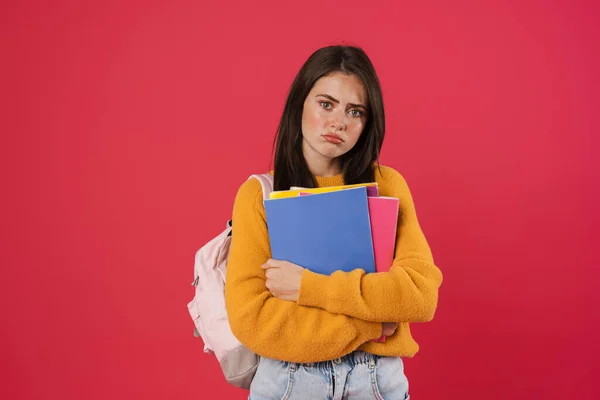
column 319, row 165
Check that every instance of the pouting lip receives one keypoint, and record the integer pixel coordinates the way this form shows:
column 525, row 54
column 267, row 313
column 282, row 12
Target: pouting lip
column 334, row 135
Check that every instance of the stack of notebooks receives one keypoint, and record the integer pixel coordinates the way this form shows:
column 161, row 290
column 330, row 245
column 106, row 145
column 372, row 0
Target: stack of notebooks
column 333, row 228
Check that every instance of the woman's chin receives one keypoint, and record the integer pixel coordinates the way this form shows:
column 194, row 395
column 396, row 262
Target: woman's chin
column 329, row 151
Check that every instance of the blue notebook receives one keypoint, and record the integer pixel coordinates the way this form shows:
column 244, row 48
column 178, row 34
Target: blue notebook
column 322, row 232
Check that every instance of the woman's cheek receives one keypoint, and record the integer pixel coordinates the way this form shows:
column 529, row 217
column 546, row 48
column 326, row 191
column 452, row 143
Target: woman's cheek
column 314, row 121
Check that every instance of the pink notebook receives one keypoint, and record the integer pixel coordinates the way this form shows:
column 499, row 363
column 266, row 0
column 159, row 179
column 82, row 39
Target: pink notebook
column 383, row 214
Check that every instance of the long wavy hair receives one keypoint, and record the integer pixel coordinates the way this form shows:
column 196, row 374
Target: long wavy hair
column 358, row 164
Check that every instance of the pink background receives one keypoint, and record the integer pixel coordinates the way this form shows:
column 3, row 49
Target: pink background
column 127, row 128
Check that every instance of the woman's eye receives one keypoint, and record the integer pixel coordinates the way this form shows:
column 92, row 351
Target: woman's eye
column 356, row 113
column 325, row 104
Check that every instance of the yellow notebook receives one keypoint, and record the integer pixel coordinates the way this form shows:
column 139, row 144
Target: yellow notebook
column 295, row 191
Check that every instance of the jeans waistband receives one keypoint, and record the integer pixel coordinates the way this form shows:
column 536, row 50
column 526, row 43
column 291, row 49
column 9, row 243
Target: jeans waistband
column 352, row 359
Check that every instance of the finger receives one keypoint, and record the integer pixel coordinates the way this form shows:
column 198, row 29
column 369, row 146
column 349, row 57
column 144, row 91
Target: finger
column 274, row 263
column 269, row 264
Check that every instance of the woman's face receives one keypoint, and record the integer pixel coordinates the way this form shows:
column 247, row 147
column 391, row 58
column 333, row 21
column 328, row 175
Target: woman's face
column 333, row 117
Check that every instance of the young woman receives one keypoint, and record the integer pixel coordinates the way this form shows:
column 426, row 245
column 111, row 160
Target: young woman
column 315, row 333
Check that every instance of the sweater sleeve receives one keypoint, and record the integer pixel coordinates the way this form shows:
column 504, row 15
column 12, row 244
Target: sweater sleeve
column 407, row 293
column 269, row 326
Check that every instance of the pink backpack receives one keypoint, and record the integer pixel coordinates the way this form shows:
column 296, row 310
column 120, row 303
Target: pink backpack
column 207, row 308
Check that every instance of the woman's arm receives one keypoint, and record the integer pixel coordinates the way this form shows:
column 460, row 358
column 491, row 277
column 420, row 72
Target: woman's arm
column 269, row 326
column 407, row 293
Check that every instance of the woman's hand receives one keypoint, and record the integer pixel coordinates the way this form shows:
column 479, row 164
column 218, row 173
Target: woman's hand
column 283, row 279
column 389, row 328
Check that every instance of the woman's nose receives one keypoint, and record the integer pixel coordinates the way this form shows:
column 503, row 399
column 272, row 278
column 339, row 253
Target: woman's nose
column 337, row 121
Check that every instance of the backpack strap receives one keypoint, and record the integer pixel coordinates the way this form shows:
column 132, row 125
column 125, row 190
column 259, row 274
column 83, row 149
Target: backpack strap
column 266, row 181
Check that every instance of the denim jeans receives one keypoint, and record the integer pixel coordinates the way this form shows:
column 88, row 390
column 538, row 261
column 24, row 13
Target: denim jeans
column 358, row 375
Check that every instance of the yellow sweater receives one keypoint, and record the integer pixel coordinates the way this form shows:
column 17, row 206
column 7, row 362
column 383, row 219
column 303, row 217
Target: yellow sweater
column 335, row 314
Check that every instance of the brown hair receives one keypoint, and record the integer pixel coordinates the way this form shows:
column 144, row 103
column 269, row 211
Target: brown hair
column 357, row 164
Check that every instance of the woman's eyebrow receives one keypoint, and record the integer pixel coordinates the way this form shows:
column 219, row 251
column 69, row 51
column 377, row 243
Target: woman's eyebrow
column 338, row 102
